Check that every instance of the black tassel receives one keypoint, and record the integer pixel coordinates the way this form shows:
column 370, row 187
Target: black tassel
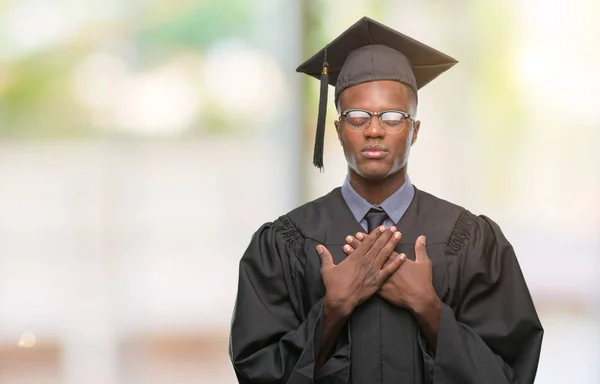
column 321, row 120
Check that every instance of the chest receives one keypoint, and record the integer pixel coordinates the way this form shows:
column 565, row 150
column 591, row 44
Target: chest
column 445, row 271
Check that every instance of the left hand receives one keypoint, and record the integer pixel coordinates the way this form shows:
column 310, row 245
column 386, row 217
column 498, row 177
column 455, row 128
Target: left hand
column 411, row 286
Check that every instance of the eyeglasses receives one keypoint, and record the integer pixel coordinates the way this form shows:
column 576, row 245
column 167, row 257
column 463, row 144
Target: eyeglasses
column 359, row 120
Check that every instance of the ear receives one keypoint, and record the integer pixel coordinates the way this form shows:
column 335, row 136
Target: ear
column 338, row 129
column 416, row 125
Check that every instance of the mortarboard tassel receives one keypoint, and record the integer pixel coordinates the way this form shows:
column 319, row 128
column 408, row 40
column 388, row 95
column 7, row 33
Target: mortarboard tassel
column 320, row 135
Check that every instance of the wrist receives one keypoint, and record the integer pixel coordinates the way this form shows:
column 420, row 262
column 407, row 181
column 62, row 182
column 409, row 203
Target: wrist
column 428, row 316
column 427, row 304
column 337, row 308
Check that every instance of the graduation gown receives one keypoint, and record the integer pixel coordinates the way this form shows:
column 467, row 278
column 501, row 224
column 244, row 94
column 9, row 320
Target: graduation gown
column 489, row 331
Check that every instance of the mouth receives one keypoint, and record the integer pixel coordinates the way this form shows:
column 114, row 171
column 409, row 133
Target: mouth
column 374, row 152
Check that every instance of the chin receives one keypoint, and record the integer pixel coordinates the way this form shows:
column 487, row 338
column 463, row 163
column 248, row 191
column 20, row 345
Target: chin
column 373, row 171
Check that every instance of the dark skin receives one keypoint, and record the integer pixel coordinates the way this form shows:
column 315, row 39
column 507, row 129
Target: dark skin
column 372, row 266
column 377, row 179
column 354, row 280
column 411, row 287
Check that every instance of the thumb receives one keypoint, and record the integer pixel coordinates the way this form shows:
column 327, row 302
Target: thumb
column 421, row 249
column 326, row 258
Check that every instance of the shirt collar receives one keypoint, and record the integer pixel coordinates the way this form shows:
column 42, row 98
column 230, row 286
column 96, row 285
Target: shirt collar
column 394, row 206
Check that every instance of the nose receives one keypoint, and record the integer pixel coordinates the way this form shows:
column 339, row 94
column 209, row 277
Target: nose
column 374, row 129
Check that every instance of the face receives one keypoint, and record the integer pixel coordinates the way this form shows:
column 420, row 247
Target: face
column 389, row 151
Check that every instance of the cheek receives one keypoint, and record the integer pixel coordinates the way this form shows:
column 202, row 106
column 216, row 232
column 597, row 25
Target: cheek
column 408, row 142
column 403, row 143
column 350, row 146
column 350, row 141
column 402, row 151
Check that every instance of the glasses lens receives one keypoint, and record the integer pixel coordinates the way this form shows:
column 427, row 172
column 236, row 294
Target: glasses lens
column 392, row 118
column 393, row 121
column 357, row 119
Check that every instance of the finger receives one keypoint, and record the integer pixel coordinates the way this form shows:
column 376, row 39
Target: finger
column 378, row 244
column 392, row 257
column 353, row 242
column 421, row 250
column 388, row 249
column 360, row 236
column 392, row 267
column 348, row 249
column 326, row 258
column 370, row 239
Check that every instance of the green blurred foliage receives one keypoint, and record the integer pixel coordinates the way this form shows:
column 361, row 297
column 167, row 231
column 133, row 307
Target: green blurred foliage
column 37, row 99
column 498, row 100
column 198, row 26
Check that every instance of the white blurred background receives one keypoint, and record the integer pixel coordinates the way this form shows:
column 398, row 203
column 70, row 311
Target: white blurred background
column 143, row 142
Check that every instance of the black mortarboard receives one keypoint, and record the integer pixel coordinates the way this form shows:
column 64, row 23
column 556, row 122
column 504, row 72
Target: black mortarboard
column 369, row 51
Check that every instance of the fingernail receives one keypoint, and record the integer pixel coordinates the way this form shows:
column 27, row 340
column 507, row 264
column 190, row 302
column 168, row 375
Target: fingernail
column 423, row 240
column 359, row 236
column 349, row 239
column 393, row 229
column 347, row 248
column 402, row 256
column 382, row 229
column 319, row 249
column 397, row 235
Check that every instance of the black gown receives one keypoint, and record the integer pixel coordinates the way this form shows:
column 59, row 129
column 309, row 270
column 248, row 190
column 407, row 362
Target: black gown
column 489, row 331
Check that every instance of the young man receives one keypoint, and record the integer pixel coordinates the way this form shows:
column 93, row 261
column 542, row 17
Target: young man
column 379, row 282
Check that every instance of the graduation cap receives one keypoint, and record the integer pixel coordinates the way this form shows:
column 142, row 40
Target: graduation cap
column 370, row 51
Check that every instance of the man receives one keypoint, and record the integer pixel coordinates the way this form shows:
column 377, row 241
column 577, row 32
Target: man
column 379, row 282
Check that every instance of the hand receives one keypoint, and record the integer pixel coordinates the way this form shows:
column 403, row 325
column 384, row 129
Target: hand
column 362, row 273
column 411, row 286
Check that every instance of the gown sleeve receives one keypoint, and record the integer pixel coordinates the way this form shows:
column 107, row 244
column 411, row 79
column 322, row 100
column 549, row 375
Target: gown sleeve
column 271, row 340
column 493, row 334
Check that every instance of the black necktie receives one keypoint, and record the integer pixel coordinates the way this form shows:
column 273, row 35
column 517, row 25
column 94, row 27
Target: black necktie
column 375, row 217
column 365, row 327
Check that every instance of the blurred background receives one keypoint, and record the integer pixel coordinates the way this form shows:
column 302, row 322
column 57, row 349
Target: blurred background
column 142, row 142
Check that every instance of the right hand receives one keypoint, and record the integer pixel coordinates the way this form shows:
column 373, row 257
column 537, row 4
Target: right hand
column 362, row 273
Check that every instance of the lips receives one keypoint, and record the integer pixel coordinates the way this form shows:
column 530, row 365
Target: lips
column 374, row 151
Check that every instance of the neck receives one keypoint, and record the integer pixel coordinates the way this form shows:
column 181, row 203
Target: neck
column 376, row 191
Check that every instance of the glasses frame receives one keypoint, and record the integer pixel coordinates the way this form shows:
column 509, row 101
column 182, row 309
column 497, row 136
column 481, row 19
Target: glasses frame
column 406, row 115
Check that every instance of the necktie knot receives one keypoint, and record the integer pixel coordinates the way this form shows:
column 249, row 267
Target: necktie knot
column 375, row 217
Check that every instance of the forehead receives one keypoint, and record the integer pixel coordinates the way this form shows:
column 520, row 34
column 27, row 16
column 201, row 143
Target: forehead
column 376, row 96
